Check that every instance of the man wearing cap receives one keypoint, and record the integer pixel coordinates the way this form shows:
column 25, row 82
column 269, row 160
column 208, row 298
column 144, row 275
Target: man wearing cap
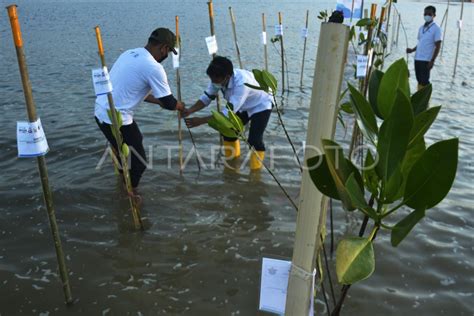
column 429, row 44
column 138, row 76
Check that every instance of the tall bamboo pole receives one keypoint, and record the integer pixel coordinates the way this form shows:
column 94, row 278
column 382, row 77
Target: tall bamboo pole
column 282, row 54
column 445, row 27
column 304, row 50
column 328, row 76
column 398, row 27
column 137, row 221
column 210, row 7
column 43, row 171
column 264, row 40
column 178, row 88
column 232, row 19
column 459, row 39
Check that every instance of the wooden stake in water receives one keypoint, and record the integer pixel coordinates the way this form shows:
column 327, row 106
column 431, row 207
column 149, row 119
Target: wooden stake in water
column 232, row 19
column 459, row 39
column 137, row 221
column 304, row 50
column 264, row 41
column 282, row 54
column 178, row 86
column 211, row 23
column 328, row 76
column 398, row 27
column 43, row 171
column 445, row 27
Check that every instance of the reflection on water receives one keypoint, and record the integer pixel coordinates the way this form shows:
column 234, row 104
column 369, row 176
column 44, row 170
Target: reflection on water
column 207, row 232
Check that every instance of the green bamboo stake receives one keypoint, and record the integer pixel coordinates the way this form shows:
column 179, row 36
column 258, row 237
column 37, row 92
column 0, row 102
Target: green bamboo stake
column 32, row 117
column 459, row 40
column 234, row 32
column 137, row 221
column 304, row 51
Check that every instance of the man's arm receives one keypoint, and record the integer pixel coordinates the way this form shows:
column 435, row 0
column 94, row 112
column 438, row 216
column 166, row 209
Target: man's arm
column 198, row 106
column 196, row 121
column 169, row 102
column 435, row 54
column 411, row 50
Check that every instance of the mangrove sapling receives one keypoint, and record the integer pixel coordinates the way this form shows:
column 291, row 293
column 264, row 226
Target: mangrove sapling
column 268, row 83
column 231, row 126
column 403, row 173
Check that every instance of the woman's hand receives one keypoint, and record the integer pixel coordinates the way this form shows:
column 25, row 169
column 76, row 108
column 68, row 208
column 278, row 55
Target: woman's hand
column 195, row 121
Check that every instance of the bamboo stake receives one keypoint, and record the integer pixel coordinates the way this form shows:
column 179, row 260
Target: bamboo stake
column 232, row 19
column 459, row 40
column 398, row 27
column 32, row 117
column 304, row 51
column 264, row 34
column 178, row 87
column 445, row 27
column 329, row 73
column 211, row 23
column 282, row 55
column 137, row 221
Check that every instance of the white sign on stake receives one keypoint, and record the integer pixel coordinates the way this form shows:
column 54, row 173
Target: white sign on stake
column 211, row 43
column 176, row 59
column 274, row 286
column 459, row 24
column 31, row 139
column 362, row 63
column 279, row 30
column 304, row 32
column 101, row 80
column 264, row 38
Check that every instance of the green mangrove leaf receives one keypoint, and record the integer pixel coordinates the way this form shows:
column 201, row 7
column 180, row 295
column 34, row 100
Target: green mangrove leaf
column 374, row 84
column 234, row 119
column 392, row 188
column 432, row 176
column 422, row 124
column 258, row 74
column 125, row 150
column 420, row 100
column 347, row 107
column 355, row 260
column 393, row 137
column 270, row 81
column 394, row 79
column 222, row 124
column 358, row 199
column 411, row 157
column 253, row 87
column 403, row 227
column 371, row 180
column 321, row 176
column 340, row 169
column 364, row 22
column 364, row 114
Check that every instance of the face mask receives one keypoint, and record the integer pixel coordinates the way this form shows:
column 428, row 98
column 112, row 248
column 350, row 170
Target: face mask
column 217, row 86
column 428, row 18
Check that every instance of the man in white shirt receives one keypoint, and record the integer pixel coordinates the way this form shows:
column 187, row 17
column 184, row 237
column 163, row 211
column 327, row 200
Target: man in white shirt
column 138, row 76
column 254, row 106
column 429, row 43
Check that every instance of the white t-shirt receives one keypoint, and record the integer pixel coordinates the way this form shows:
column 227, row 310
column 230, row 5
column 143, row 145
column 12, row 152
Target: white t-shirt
column 243, row 98
column 133, row 76
column 427, row 37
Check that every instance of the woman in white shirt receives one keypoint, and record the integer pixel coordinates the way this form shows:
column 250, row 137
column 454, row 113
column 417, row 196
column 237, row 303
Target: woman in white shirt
column 254, row 106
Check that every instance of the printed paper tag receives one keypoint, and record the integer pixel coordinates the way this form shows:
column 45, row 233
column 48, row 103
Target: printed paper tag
column 362, row 62
column 264, row 38
column 279, row 30
column 176, row 59
column 211, row 44
column 459, row 24
column 101, row 80
column 304, row 32
column 31, row 139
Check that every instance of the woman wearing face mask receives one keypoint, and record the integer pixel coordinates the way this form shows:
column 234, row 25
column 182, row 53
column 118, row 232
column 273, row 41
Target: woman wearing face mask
column 429, row 44
column 254, row 106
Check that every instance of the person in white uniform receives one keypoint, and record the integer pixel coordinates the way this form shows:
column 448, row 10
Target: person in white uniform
column 251, row 105
column 138, row 76
column 429, row 44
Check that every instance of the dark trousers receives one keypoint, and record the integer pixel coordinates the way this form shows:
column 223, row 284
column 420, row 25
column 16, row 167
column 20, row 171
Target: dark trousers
column 258, row 123
column 134, row 139
column 422, row 72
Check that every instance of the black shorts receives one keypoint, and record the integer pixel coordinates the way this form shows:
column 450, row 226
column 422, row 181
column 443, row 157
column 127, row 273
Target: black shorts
column 422, row 72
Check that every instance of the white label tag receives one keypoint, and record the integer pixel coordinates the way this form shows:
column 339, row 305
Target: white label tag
column 101, row 80
column 304, row 32
column 211, row 43
column 176, row 59
column 459, row 24
column 264, row 38
column 362, row 62
column 31, row 139
column 279, row 30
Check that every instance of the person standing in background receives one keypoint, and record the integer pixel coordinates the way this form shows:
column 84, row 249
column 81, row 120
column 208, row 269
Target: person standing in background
column 427, row 49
